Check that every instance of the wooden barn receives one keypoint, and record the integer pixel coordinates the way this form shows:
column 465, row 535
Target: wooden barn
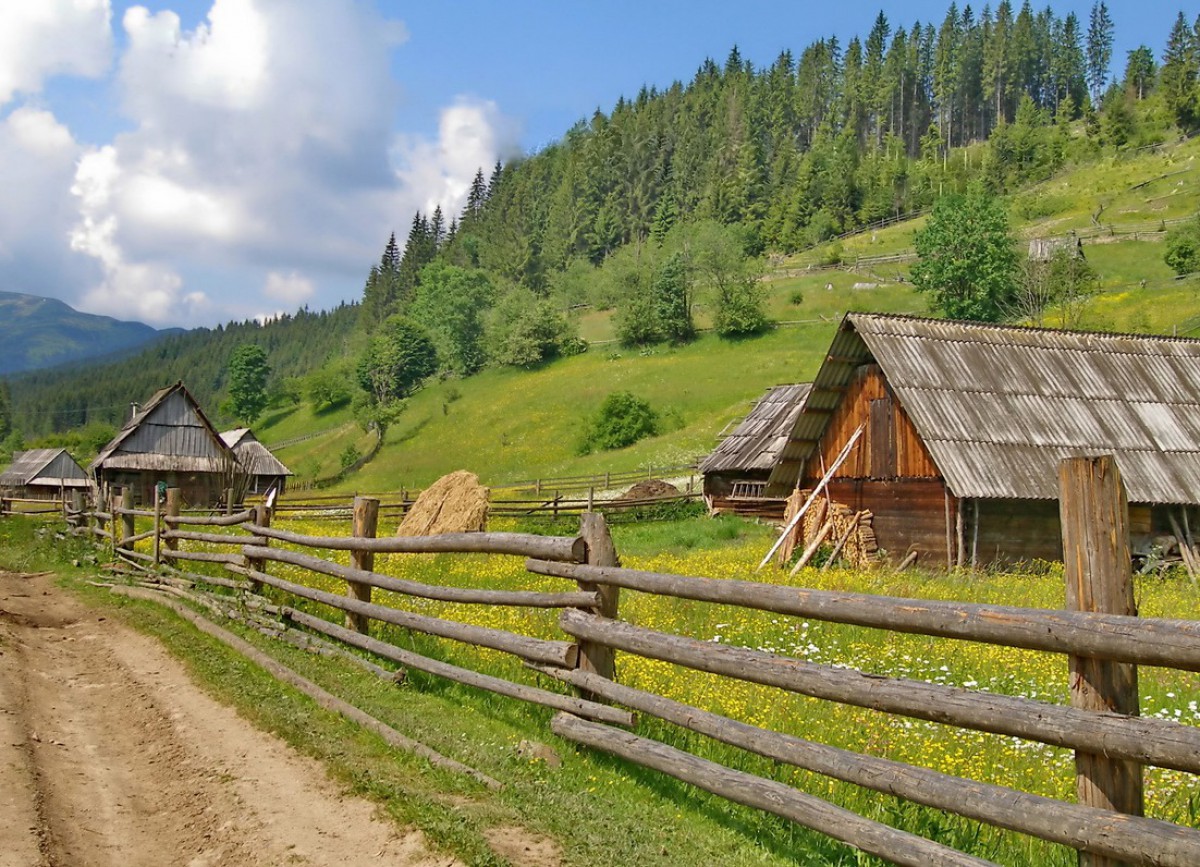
column 43, row 474
column 736, row 473
column 964, row 425
column 262, row 469
column 170, row 440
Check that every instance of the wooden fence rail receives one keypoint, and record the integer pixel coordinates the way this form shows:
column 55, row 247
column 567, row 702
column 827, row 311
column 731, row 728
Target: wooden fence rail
column 1101, row 637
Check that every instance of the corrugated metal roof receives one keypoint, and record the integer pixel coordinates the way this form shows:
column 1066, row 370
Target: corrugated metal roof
column 26, row 465
column 254, row 457
column 755, row 444
column 999, row 407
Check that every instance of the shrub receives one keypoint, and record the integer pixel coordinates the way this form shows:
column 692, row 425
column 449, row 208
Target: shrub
column 621, row 421
column 1183, row 247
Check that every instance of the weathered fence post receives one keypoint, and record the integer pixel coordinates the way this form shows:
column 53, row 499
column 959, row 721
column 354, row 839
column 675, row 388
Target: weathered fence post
column 157, row 529
column 1096, row 557
column 229, row 501
column 366, row 522
column 76, row 513
column 262, row 518
column 593, row 528
column 127, row 520
column 174, row 501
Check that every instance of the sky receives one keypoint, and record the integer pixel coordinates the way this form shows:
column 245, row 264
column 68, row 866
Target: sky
column 190, row 162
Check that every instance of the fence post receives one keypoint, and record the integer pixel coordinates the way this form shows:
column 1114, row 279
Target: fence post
column 127, row 521
column 366, row 522
column 174, row 501
column 1096, row 556
column 600, row 552
column 157, row 529
column 229, row 501
column 262, row 518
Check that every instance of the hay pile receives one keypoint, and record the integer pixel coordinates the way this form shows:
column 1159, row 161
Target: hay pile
column 455, row 503
column 849, row 534
column 650, row 489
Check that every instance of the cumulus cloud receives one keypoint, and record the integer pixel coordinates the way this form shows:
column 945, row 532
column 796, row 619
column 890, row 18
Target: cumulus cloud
column 263, row 145
column 37, row 165
column 470, row 135
column 41, row 38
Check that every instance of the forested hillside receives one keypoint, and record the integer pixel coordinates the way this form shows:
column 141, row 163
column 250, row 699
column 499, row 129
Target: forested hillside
column 78, row 396
column 658, row 220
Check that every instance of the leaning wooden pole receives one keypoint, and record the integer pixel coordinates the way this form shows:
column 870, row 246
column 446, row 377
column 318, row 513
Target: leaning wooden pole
column 1096, row 556
column 366, row 523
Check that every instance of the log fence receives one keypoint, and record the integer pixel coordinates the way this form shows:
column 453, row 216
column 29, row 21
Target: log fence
column 1100, row 635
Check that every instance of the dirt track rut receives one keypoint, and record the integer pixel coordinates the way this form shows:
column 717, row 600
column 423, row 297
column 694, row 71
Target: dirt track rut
column 110, row 755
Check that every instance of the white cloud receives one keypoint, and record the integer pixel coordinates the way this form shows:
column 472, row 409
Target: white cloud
column 41, row 38
column 293, row 287
column 262, row 147
column 471, row 133
column 37, row 164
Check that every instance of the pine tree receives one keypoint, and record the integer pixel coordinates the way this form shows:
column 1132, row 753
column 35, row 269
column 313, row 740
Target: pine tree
column 476, row 196
column 1099, row 49
column 437, row 228
column 1178, row 76
column 1140, row 71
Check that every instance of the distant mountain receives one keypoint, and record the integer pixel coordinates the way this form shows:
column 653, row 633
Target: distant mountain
column 41, row 332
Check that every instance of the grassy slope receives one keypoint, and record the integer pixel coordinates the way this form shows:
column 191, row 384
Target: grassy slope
column 511, row 424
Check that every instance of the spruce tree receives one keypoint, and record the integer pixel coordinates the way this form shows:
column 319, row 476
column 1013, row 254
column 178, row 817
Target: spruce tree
column 1099, row 49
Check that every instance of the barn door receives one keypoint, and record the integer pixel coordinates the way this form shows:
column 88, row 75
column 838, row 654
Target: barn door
column 883, row 438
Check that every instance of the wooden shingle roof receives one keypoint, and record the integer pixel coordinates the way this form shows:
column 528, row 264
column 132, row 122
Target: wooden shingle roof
column 999, row 407
column 255, row 458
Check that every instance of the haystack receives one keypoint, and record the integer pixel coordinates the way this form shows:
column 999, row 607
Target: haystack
column 648, row 490
column 455, row 503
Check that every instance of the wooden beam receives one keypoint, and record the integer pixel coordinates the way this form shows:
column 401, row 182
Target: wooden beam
column 366, row 521
column 1096, row 558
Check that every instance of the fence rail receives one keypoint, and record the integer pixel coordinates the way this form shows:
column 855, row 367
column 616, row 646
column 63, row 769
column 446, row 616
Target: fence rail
column 1100, row 636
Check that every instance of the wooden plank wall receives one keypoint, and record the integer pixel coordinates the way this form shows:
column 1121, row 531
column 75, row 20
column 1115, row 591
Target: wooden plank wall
column 890, row 447
column 909, row 514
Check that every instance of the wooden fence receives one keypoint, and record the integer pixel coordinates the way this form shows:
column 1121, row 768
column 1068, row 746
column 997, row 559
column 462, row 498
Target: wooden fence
column 1102, row 638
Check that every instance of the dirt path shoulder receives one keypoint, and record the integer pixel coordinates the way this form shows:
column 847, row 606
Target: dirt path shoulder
column 111, row 755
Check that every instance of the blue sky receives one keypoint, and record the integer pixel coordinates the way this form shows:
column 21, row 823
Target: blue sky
column 186, row 162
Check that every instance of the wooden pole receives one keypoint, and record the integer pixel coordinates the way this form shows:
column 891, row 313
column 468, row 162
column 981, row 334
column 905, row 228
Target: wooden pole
column 262, row 518
column 174, row 501
column 1096, row 557
column 157, row 530
column 598, row 658
column 366, row 523
column 127, row 528
column 229, row 501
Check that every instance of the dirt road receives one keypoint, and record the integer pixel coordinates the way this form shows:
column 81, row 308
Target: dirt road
column 110, row 755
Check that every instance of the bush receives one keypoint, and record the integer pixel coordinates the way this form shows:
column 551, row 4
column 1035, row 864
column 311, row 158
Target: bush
column 1183, row 247
column 621, row 421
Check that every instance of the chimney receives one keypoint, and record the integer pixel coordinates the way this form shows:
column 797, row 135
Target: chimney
column 133, row 410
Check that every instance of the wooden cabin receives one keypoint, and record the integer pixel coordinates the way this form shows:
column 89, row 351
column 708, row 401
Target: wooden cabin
column 736, row 472
column 43, row 474
column 262, row 469
column 170, row 440
column 964, row 426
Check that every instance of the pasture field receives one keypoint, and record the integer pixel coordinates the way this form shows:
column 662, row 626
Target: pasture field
column 730, row 548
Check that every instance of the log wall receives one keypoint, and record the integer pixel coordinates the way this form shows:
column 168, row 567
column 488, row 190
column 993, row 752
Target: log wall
column 908, row 515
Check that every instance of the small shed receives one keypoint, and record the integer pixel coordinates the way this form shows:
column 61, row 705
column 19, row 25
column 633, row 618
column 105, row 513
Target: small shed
column 263, row 470
column 169, row 439
column 964, row 425
column 43, row 474
column 1044, row 249
column 736, row 472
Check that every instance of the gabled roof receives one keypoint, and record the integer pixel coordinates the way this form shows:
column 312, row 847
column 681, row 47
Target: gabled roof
column 999, row 407
column 254, row 457
column 169, row 433
column 42, row 466
column 755, row 444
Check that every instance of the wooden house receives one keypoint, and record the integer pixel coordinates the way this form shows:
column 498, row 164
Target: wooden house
column 43, row 474
column 262, row 469
column 736, row 472
column 964, row 425
column 170, row 440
